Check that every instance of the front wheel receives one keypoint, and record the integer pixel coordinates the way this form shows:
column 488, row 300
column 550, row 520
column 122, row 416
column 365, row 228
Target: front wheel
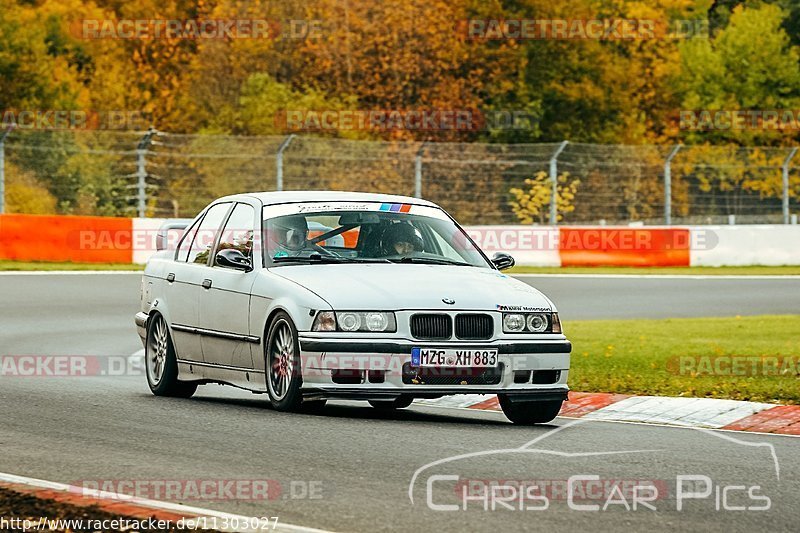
column 398, row 403
column 529, row 413
column 283, row 365
column 161, row 363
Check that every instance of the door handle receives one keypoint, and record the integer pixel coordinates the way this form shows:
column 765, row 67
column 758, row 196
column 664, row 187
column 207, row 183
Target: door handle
column 206, row 283
column 171, row 277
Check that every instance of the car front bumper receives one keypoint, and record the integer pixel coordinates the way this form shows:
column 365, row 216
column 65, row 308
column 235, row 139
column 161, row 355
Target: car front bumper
column 528, row 370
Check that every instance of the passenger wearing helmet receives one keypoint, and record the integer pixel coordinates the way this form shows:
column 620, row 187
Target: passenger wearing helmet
column 288, row 235
column 401, row 239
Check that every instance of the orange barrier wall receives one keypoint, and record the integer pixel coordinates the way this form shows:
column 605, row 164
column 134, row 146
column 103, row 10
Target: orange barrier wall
column 624, row 246
column 66, row 238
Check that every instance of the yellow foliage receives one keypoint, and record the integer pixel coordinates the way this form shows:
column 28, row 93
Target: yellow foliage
column 533, row 205
column 25, row 195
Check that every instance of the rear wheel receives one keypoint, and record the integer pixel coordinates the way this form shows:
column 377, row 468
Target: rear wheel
column 283, row 365
column 529, row 413
column 398, row 403
column 161, row 363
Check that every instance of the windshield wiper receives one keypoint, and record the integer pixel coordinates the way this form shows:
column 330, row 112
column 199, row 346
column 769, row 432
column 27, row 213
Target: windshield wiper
column 313, row 258
column 322, row 258
column 430, row 261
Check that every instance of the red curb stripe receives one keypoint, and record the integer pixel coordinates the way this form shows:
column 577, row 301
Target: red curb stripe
column 781, row 419
column 794, row 429
column 578, row 404
column 583, row 403
column 769, row 421
column 492, row 404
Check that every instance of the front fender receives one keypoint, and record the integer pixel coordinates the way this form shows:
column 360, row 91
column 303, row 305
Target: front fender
column 273, row 293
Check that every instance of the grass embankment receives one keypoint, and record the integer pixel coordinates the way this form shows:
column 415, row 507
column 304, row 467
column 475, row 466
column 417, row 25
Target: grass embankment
column 741, row 358
column 44, row 266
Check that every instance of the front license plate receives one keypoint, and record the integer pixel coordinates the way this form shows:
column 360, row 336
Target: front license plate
column 436, row 357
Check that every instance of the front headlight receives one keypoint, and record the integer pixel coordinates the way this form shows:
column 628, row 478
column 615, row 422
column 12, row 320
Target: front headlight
column 513, row 323
column 531, row 323
column 355, row 321
column 537, row 322
column 349, row 321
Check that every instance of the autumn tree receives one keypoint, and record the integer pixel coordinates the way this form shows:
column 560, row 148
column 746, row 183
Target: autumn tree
column 532, row 204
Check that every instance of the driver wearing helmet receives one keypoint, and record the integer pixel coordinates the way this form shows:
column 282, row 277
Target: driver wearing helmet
column 288, row 235
column 401, row 239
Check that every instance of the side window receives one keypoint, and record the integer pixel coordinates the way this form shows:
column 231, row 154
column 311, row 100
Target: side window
column 239, row 230
column 206, row 233
column 182, row 253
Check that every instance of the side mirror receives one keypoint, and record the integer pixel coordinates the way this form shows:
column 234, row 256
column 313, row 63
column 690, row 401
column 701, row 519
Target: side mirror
column 233, row 258
column 502, row 261
column 172, row 225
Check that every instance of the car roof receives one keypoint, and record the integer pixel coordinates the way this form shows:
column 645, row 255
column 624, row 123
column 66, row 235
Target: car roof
column 289, row 197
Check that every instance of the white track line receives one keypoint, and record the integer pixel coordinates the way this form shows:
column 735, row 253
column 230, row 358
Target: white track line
column 154, row 504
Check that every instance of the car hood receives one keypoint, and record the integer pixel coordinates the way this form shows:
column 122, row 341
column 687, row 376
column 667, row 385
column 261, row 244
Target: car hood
column 388, row 287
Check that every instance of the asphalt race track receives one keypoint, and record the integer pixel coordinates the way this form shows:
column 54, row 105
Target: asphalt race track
column 352, row 468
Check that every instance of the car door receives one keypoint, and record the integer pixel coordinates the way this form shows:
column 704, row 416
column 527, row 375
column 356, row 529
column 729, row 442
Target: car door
column 225, row 304
column 185, row 279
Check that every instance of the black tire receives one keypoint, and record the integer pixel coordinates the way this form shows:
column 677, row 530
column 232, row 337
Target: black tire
column 282, row 364
column 529, row 413
column 161, row 363
column 398, row 403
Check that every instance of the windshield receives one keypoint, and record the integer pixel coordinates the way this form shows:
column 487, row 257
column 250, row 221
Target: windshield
column 339, row 232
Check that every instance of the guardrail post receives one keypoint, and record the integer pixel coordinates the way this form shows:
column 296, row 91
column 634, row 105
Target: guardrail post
column 279, row 162
column 141, row 172
column 3, row 168
column 668, row 184
column 418, row 171
column 785, row 171
column 554, row 183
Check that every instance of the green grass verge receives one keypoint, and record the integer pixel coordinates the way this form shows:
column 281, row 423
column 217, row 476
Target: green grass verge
column 643, row 357
column 688, row 271
column 36, row 265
